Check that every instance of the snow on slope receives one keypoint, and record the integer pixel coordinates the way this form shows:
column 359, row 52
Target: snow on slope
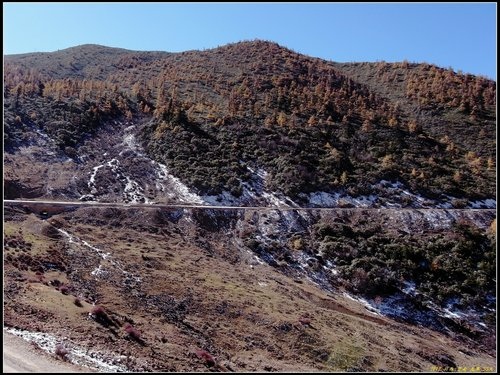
column 102, row 362
column 135, row 177
column 102, row 270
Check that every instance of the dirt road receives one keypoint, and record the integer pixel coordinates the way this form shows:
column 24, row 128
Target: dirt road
column 20, row 356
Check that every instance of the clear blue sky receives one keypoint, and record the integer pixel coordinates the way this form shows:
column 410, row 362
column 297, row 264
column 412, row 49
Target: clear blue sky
column 458, row 35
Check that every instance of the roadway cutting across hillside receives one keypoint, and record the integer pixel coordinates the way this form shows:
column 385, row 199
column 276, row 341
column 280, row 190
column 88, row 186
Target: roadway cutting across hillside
column 16, row 202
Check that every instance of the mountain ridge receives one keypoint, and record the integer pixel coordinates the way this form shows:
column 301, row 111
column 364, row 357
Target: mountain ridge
column 84, row 46
column 397, row 147
column 197, row 91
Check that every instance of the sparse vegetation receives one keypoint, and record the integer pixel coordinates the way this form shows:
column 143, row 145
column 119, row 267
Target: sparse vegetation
column 346, row 356
column 253, row 313
column 61, row 351
column 257, row 290
column 132, row 332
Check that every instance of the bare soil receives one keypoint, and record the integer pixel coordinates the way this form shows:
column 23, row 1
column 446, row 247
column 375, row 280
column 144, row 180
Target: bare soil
column 21, row 356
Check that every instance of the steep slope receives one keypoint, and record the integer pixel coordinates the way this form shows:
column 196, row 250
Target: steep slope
column 448, row 104
column 206, row 290
column 390, row 146
column 311, row 125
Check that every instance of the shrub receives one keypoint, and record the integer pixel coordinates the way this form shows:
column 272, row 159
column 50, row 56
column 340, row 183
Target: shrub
column 64, row 289
column 133, row 332
column 78, row 302
column 98, row 311
column 101, row 317
column 206, row 357
column 61, row 351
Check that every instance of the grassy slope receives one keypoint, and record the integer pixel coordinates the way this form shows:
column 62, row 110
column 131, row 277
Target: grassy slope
column 198, row 291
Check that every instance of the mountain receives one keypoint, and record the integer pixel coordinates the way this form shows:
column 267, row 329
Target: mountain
column 404, row 153
column 311, row 124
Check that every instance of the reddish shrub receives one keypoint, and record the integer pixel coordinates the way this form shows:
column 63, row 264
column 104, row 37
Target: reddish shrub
column 206, row 357
column 61, row 351
column 132, row 332
column 98, row 311
column 101, row 317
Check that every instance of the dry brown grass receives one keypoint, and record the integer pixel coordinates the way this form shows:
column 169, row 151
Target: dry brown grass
column 248, row 318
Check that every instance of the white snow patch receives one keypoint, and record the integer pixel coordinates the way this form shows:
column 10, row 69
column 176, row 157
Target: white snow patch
column 361, row 201
column 392, row 195
column 364, row 302
column 438, row 219
column 87, row 197
column 174, row 187
column 133, row 192
column 303, row 259
column 101, row 253
column 486, row 203
column 76, row 354
column 329, row 266
column 66, row 234
column 113, row 164
column 91, row 183
column 248, row 192
column 324, row 199
column 268, row 225
column 450, row 314
column 253, row 194
column 224, row 199
column 409, row 287
column 104, row 255
column 130, row 143
column 42, row 134
column 99, row 271
column 259, row 172
column 258, row 260
column 274, row 200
